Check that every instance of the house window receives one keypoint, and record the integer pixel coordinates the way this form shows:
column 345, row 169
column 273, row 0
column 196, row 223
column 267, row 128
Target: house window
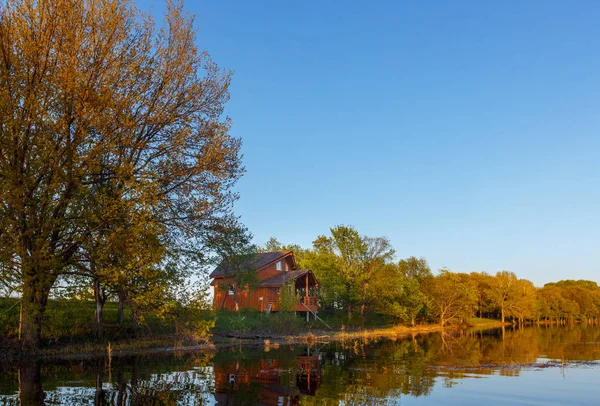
column 230, row 292
column 287, row 268
column 279, row 266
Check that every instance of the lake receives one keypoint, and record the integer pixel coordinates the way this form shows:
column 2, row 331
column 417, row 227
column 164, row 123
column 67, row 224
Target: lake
column 528, row 366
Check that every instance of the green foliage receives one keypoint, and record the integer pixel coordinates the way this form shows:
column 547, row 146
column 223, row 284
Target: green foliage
column 250, row 322
column 346, row 263
column 272, row 245
column 287, row 297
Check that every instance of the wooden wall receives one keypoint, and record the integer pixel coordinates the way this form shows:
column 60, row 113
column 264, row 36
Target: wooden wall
column 247, row 299
column 271, row 270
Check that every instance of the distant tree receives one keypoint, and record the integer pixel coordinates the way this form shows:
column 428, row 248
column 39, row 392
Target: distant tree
column 503, row 293
column 525, row 301
column 453, row 296
column 416, row 272
column 397, row 295
column 483, row 283
column 333, row 290
column 271, row 245
column 415, row 268
column 359, row 260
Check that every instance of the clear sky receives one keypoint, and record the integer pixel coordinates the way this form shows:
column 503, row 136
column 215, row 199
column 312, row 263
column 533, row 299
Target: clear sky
column 468, row 132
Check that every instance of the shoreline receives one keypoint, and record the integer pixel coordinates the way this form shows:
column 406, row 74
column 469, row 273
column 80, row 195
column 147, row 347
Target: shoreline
column 155, row 345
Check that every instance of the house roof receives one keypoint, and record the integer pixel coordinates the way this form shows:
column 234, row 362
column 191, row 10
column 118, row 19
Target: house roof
column 281, row 278
column 259, row 260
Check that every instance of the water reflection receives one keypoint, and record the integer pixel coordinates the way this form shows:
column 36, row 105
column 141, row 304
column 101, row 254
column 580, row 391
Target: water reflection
column 353, row 372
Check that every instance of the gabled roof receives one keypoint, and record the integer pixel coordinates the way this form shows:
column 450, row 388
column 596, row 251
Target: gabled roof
column 259, row 260
column 282, row 278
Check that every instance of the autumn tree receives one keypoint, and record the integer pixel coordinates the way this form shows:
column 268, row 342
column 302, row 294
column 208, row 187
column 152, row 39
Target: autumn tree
column 525, row 299
column 92, row 92
column 453, row 296
column 483, row 284
column 503, row 293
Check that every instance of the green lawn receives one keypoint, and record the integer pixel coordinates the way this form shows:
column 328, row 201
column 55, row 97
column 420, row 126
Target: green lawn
column 478, row 321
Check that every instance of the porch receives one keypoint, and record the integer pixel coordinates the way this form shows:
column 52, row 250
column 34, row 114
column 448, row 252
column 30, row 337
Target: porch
column 304, row 285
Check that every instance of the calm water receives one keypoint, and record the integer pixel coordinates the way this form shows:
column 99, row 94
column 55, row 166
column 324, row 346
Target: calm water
column 530, row 366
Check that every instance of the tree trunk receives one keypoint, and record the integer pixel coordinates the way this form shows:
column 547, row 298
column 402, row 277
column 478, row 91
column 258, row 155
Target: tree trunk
column 134, row 317
column 349, row 308
column 362, row 309
column 502, row 314
column 100, row 300
column 412, row 320
column 35, row 298
column 122, row 298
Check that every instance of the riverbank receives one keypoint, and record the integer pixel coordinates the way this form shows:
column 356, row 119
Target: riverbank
column 162, row 344
column 229, row 329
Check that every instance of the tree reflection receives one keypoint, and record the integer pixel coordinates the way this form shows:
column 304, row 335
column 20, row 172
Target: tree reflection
column 351, row 372
column 30, row 384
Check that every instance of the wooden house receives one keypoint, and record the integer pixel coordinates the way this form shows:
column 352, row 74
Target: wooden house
column 274, row 271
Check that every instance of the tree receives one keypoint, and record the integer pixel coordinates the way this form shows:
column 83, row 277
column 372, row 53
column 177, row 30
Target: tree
column 453, row 296
column 415, row 268
column 416, row 272
column 525, row 301
column 414, row 299
column 271, row 245
column 483, row 283
column 325, row 265
column 92, row 93
column 503, row 293
column 359, row 258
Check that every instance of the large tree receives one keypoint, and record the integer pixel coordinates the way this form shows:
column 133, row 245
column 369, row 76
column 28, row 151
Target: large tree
column 358, row 259
column 453, row 296
column 93, row 93
column 503, row 293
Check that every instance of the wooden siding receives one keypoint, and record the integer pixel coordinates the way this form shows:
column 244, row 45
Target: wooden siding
column 252, row 300
column 271, row 269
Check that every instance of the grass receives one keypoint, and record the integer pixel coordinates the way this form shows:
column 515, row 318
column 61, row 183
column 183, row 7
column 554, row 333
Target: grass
column 339, row 320
column 480, row 321
column 252, row 323
column 72, row 322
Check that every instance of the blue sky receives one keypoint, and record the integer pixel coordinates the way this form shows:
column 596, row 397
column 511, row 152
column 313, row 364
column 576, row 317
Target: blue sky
column 465, row 131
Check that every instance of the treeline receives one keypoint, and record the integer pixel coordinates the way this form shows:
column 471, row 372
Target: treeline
column 116, row 164
column 358, row 274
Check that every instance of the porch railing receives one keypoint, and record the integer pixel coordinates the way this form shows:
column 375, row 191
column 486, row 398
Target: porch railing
column 309, row 301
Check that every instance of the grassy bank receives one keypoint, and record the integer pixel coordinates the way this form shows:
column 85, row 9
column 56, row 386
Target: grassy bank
column 68, row 330
column 483, row 322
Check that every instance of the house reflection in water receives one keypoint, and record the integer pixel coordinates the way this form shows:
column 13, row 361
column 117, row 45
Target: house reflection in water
column 279, row 380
